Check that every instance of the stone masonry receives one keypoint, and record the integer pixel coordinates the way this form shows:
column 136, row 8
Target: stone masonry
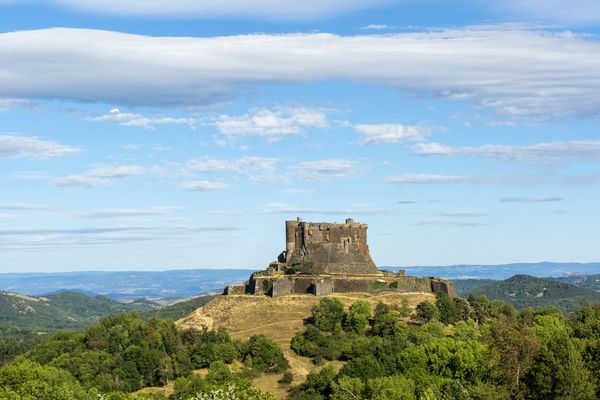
column 325, row 258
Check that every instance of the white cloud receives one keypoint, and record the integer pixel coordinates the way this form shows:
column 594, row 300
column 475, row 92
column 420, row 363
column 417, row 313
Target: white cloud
column 252, row 167
column 433, row 179
column 281, row 208
column 287, row 9
column 530, row 199
column 376, row 27
column 538, row 152
column 326, row 170
column 139, row 120
column 271, row 125
column 204, row 186
column 19, row 146
column 101, row 175
column 511, row 70
column 390, row 133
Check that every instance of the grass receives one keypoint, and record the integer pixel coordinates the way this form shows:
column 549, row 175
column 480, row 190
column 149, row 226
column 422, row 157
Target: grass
column 279, row 319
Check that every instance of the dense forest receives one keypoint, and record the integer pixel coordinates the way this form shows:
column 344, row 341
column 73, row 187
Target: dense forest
column 457, row 348
column 567, row 293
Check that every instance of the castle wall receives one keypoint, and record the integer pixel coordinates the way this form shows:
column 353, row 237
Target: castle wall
column 235, row 289
column 282, row 287
column 443, row 286
column 326, row 248
column 323, row 287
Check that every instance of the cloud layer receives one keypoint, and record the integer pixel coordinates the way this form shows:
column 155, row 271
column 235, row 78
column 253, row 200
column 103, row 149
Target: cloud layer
column 538, row 152
column 101, row 175
column 513, row 71
column 19, row 146
column 271, row 125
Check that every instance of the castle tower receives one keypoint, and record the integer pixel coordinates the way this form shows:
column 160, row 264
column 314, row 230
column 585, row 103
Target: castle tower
column 328, row 248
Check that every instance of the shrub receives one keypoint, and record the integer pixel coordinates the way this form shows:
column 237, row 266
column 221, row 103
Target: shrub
column 287, row 378
column 266, row 354
column 426, row 312
column 328, row 314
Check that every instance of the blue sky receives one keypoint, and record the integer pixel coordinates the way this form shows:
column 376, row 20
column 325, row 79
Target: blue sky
column 157, row 135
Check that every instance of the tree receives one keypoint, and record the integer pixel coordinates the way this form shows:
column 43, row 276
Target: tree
column 515, row 351
column 328, row 314
column 266, row 354
column 28, row 380
column 395, row 387
column 404, row 308
column 358, row 317
column 426, row 312
column 447, row 309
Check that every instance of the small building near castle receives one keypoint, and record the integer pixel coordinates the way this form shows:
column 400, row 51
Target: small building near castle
column 324, row 258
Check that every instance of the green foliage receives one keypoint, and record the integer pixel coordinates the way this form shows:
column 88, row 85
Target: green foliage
column 446, row 308
column 328, row 314
column 286, row 378
column 66, row 310
column 121, row 353
column 15, row 341
column 528, row 291
column 358, row 316
column 266, row 354
column 196, row 388
column 404, row 308
column 27, row 380
column 426, row 312
column 492, row 353
column 179, row 310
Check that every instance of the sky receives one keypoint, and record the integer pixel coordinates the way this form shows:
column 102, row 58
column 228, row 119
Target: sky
column 153, row 135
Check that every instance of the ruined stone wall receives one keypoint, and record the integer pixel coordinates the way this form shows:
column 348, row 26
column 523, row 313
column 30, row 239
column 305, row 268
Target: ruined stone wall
column 326, row 248
column 443, row 286
column 282, row 287
column 235, row 289
column 322, row 287
column 412, row 284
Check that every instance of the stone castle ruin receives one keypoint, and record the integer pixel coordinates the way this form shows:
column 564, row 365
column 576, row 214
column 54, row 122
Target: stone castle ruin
column 325, row 258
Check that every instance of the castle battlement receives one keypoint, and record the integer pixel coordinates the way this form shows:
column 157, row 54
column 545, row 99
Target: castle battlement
column 323, row 258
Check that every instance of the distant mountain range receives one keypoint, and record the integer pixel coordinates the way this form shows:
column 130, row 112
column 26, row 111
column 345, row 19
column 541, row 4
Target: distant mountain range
column 160, row 285
column 178, row 284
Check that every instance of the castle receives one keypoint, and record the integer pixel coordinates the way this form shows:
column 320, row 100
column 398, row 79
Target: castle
column 325, row 258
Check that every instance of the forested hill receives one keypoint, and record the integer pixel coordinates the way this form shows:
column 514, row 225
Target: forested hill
column 529, row 291
column 65, row 310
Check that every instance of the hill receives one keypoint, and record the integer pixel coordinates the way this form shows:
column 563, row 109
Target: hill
column 64, row 310
column 180, row 309
column 279, row 319
column 586, row 281
column 529, row 291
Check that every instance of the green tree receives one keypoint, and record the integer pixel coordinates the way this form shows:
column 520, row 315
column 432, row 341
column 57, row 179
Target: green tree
column 426, row 312
column 515, row 351
column 328, row 314
column 446, row 308
column 404, row 308
column 27, row 380
column 358, row 317
column 394, row 387
column 266, row 354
